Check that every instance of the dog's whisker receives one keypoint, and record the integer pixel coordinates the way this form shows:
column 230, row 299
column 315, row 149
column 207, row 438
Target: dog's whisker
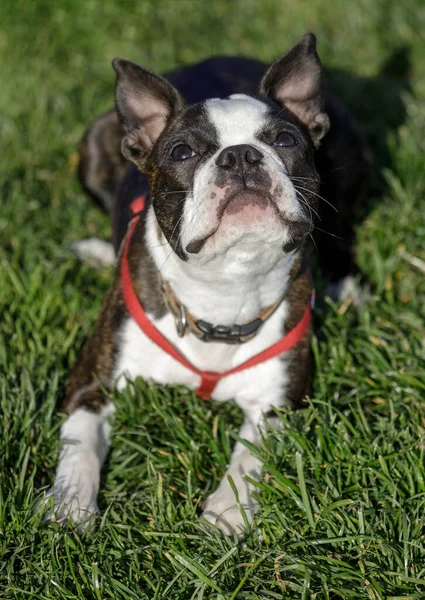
column 314, row 180
column 314, row 244
column 305, row 203
column 169, row 193
column 343, row 168
column 157, row 246
column 318, row 196
column 329, row 233
column 200, row 191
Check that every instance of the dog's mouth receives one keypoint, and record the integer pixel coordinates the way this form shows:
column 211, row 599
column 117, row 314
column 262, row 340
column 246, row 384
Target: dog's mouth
column 256, row 202
column 240, row 200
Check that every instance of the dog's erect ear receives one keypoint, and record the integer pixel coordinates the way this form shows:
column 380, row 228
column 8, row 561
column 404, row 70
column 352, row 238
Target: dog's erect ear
column 144, row 103
column 296, row 81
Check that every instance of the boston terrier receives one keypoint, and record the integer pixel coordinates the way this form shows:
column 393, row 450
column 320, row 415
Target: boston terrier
column 230, row 169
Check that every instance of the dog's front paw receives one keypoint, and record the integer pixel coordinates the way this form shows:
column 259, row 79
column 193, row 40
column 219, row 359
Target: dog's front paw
column 67, row 508
column 223, row 510
column 62, row 508
column 348, row 288
column 95, row 251
column 74, row 494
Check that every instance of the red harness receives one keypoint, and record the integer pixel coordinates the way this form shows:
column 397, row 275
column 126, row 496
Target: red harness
column 209, row 379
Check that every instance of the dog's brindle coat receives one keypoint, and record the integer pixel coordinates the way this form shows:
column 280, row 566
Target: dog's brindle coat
column 226, row 229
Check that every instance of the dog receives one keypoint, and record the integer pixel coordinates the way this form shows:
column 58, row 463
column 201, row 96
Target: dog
column 215, row 175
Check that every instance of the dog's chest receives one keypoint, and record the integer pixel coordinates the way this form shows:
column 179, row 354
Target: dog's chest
column 262, row 385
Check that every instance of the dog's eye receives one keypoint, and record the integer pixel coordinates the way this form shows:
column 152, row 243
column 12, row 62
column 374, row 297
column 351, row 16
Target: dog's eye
column 182, row 152
column 284, row 140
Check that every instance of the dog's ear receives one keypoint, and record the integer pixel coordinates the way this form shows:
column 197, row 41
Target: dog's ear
column 144, row 103
column 296, row 81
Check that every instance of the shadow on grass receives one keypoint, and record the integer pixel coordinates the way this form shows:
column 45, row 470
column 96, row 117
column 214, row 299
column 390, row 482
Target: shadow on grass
column 377, row 106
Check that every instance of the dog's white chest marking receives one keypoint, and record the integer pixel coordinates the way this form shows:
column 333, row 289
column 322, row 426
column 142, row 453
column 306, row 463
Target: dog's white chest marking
column 259, row 386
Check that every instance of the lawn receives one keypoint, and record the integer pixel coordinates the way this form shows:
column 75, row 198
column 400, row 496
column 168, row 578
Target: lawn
column 343, row 493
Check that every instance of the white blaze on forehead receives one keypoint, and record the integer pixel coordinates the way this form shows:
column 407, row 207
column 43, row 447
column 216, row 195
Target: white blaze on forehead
column 237, row 119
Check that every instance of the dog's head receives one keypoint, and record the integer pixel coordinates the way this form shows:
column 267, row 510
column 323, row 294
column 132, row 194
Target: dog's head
column 232, row 176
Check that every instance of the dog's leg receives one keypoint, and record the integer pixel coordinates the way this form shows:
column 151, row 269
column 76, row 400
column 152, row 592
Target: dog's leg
column 230, row 513
column 101, row 163
column 95, row 251
column 222, row 507
column 347, row 288
column 101, row 168
column 85, row 433
column 85, row 445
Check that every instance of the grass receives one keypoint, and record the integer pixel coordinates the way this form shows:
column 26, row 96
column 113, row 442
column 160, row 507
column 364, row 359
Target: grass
column 343, row 495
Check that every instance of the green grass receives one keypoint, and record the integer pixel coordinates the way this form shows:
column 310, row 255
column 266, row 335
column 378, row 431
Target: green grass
column 343, row 495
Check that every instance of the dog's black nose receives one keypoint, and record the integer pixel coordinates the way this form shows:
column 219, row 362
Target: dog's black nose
column 238, row 156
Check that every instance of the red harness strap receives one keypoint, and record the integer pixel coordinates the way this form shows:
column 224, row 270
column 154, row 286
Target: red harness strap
column 209, row 379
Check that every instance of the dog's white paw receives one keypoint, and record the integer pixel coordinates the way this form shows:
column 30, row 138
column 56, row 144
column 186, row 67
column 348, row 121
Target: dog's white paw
column 95, row 251
column 347, row 288
column 74, row 494
column 64, row 508
column 223, row 510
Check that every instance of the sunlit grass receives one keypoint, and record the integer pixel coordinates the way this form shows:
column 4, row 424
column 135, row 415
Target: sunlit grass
column 343, row 492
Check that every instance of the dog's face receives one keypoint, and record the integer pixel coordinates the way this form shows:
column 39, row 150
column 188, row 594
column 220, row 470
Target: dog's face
column 229, row 176
column 222, row 178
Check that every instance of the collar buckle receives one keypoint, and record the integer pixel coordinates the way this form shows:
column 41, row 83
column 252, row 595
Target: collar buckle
column 207, row 332
column 181, row 321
